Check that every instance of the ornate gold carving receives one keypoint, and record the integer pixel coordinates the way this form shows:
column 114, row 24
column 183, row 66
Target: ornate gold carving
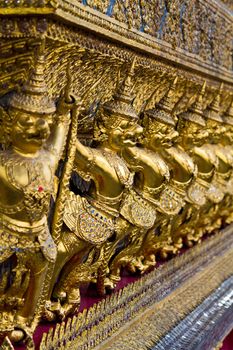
column 132, row 166
column 181, row 25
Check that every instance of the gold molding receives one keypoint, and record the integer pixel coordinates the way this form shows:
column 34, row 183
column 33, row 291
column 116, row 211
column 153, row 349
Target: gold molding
column 85, row 17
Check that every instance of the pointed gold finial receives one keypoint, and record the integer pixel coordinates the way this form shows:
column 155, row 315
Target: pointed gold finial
column 132, row 67
column 213, row 110
column 203, row 88
column 167, row 101
column 163, row 110
column 34, row 95
column 228, row 115
column 195, row 112
column 198, row 104
column 121, row 104
column 124, row 89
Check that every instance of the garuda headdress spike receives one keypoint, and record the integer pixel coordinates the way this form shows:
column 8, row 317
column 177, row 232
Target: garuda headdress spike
column 195, row 112
column 228, row 115
column 162, row 112
column 122, row 102
column 33, row 97
column 213, row 110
